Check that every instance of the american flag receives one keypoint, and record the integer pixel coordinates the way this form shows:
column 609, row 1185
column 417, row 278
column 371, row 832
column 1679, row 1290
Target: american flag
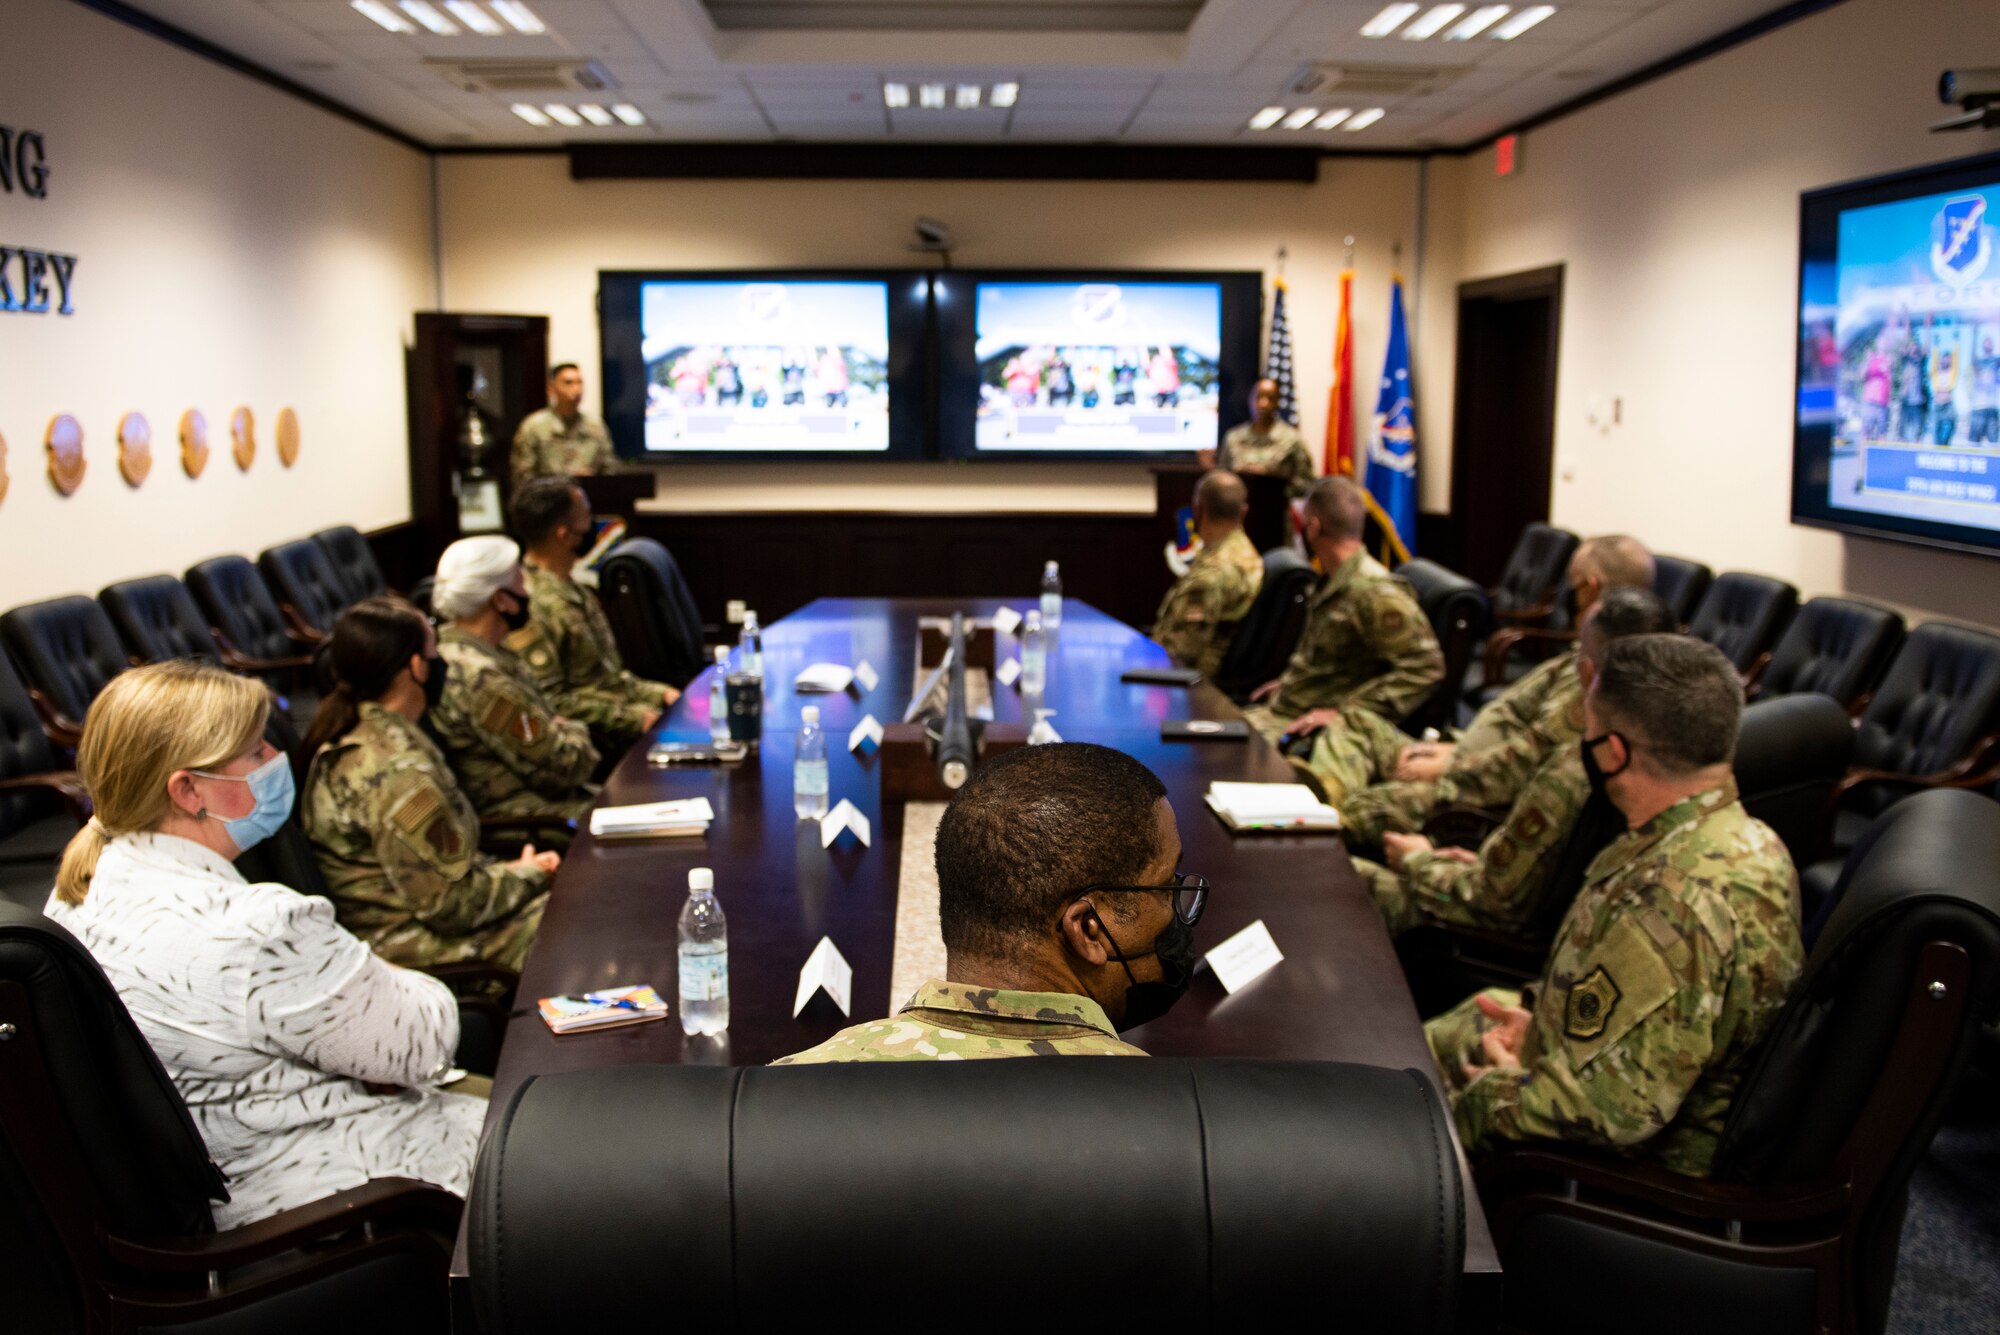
column 1278, row 360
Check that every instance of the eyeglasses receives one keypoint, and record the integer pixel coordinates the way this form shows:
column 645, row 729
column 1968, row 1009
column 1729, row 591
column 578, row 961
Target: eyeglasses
column 1190, row 894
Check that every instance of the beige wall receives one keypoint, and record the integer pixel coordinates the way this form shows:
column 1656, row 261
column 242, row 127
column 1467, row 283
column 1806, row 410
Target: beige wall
column 519, row 235
column 1674, row 209
column 237, row 247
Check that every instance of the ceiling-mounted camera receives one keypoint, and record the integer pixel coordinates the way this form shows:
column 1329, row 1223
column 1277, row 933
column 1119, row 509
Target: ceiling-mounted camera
column 933, row 238
column 1975, row 92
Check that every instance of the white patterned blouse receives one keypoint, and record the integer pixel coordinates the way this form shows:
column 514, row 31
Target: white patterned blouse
column 269, row 1016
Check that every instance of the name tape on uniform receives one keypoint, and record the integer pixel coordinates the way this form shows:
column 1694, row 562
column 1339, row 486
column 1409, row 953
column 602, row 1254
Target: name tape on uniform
column 867, row 733
column 1009, row 672
column 867, row 676
column 844, row 816
column 826, row 970
column 1245, row 957
column 1006, row 620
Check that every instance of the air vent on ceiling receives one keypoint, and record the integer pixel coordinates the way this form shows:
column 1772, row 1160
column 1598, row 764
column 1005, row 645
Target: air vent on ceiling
column 514, row 77
column 1372, row 81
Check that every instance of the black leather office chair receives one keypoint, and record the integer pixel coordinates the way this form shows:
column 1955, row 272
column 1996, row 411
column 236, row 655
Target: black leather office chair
column 249, row 630
column 1836, row 646
column 1791, row 758
column 310, row 596
column 1457, row 610
column 1512, row 651
column 1229, row 1195
column 157, row 620
column 1743, row 615
column 420, row 594
column 1270, row 630
column 1528, row 587
column 1681, row 584
column 66, row 649
column 42, row 804
column 353, row 563
column 1800, row 1229
column 105, row 1187
column 1934, row 722
column 651, row 612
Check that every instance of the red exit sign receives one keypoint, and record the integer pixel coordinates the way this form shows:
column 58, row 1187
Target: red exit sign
column 1506, row 154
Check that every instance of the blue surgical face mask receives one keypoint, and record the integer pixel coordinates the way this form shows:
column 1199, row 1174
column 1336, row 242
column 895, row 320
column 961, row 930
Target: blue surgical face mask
column 271, row 787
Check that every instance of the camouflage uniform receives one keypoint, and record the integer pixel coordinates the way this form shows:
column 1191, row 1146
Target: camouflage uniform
column 951, row 1022
column 1671, row 965
column 399, row 846
column 545, row 444
column 1281, row 451
column 1505, row 890
column 513, row 754
column 1506, row 743
column 569, row 651
column 1366, row 645
column 1197, row 619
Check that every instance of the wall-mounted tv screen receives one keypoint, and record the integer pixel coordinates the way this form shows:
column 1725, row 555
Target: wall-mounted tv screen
column 1093, row 365
column 1898, row 416
column 715, row 366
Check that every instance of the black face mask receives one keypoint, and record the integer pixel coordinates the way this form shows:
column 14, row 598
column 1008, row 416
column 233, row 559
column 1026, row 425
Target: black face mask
column 1595, row 772
column 434, row 682
column 585, row 541
column 1145, row 1002
column 518, row 618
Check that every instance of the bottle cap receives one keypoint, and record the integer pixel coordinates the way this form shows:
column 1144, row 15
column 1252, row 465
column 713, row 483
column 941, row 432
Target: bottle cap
column 701, row 878
column 722, row 653
column 1050, row 566
column 810, row 714
column 1034, row 621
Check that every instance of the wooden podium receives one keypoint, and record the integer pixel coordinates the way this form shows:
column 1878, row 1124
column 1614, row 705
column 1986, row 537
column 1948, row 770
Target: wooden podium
column 1268, row 521
column 618, row 494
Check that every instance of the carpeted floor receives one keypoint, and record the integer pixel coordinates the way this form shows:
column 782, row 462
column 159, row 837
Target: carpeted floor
column 1948, row 1280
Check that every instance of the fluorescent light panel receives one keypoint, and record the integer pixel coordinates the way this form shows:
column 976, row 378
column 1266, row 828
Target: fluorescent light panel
column 1301, row 118
column 1523, row 21
column 1364, row 120
column 968, row 96
column 930, row 95
column 561, row 114
column 1478, row 21
column 628, row 113
column 1333, row 118
column 1266, row 118
column 475, row 18
column 424, row 12
column 1388, row 20
column 1005, row 94
column 1434, row 18
column 382, row 15
column 519, row 17
column 895, row 95
column 595, row 114
column 532, row 115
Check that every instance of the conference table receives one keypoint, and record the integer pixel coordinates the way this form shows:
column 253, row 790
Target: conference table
column 1338, row 995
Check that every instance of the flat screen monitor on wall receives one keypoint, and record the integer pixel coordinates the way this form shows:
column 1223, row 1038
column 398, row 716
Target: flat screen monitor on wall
column 765, row 365
column 1897, row 433
column 1093, row 365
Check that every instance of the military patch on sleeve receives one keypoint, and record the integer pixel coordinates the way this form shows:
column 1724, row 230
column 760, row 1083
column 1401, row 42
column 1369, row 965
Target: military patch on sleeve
column 1591, row 1001
column 441, row 835
column 1391, row 621
column 414, row 811
column 527, row 728
column 1534, row 823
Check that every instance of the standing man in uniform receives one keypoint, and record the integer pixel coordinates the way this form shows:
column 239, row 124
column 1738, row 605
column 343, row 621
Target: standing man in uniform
column 1676, row 957
column 515, row 756
column 1265, row 444
column 1197, row 619
column 1366, row 645
column 567, row 644
column 1064, row 919
column 561, row 439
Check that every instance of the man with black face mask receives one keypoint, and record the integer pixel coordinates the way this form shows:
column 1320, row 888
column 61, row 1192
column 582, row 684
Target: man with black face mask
column 1065, row 918
column 567, row 645
column 514, row 754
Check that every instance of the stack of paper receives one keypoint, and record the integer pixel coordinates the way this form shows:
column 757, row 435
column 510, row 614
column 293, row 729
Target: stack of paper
column 653, row 820
column 602, row 1009
column 1271, row 806
column 824, row 678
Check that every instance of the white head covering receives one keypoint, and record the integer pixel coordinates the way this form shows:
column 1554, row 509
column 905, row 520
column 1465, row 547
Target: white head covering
column 471, row 571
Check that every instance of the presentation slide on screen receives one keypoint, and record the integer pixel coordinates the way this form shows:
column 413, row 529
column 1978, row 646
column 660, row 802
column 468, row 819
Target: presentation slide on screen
column 766, row 365
column 1098, row 366
column 1900, row 356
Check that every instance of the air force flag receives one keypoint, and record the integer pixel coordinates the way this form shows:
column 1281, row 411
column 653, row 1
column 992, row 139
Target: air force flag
column 1392, row 441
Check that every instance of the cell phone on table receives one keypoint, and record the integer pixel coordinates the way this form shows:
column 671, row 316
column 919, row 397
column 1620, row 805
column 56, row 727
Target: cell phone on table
column 1204, row 730
column 696, row 753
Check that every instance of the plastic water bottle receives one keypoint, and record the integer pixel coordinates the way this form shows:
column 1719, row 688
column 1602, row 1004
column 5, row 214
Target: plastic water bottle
column 718, row 697
column 1051, row 597
column 809, row 769
column 1034, row 655
column 750, row 644
column 704, row 958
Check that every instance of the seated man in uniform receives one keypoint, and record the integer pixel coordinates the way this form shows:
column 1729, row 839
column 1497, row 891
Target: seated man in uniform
column 1505, row 885
column 1367, row 645
column 1383, row 781
column 1676, row 957
column 567, row 644
column 515, row 756
column 1064, row 919
column 1197, row 619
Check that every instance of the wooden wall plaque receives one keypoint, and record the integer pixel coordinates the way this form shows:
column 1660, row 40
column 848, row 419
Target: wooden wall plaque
column 135, row 448
column 288, row 437
column 243, row 437
column 194, row 441
column 65, row 447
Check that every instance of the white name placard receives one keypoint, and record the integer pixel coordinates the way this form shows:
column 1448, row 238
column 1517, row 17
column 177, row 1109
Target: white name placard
column 1245, row 957
column 845, row 816
column 827, row 970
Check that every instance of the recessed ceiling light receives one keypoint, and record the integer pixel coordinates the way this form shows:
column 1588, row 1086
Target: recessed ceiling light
column 561, row 114
column 1266, row 118
column 895, row 95
column 1301, row 118
column 1434, row 18
column 1388, row 20
column 1364, row 120
column 968, row 96
column 1523, row 21
column 595, row 114
column 1004, row 94
column 532, row 115
column 628, row 113
column 475, row 18
column 426, row 13
column 1333, row 118
column 519, row 17
column 930, row 95
column 1478, row 21
column 383, row 15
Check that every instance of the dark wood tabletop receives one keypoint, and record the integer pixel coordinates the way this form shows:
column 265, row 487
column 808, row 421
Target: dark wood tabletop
column 1339, row 995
